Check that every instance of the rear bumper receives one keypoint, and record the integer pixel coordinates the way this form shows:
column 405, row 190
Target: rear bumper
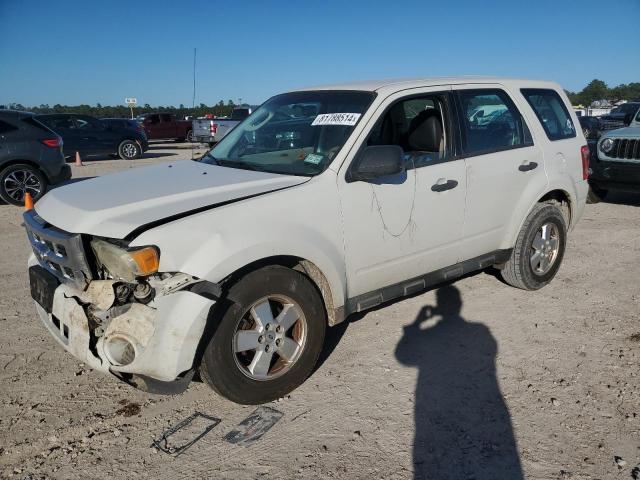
column 63, row 175
column 205, row 138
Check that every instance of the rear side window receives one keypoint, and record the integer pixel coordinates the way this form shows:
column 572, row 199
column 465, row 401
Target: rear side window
column 35, row 123
column 6, row 127
column 491, row 122
column 551, row 111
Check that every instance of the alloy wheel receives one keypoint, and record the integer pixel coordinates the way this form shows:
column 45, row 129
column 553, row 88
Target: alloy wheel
column 269, row 338
column 545, row 248
column 19, row 182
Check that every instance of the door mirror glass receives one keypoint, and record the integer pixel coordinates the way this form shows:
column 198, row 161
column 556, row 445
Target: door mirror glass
column 378, row 161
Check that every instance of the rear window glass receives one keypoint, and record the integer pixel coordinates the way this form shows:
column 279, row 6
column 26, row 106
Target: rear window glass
column 35, row 123
column 6, row 127
column 552, row 113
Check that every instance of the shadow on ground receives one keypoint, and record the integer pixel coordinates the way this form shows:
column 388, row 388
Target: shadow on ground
column 462, row 424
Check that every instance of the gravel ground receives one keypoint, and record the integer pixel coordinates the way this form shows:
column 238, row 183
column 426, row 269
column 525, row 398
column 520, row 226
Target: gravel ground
column 472, row 380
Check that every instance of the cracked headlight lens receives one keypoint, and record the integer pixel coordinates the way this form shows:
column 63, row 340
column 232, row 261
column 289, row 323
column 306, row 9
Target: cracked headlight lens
column 126, row 264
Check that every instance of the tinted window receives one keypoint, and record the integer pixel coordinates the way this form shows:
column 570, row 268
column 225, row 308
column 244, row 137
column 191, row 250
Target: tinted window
column 552, row 113
column 88, row 123
column 166, row 118
column 417, row 125
column 62, row 122
column 491, row 122
column 6, row 127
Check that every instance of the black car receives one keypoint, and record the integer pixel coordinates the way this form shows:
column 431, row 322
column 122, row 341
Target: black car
column 591, row 127
column 623, row 113
column 90, row 136
column 131, row 124
column 31, row 157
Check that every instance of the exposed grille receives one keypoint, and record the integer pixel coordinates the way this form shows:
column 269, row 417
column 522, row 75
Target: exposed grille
column 625, row 148
column 59, row 252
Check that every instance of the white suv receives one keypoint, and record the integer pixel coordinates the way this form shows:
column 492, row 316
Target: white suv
column 324, row 202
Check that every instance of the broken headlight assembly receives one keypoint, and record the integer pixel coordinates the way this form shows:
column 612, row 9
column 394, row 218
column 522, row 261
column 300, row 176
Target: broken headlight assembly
column 125, row 264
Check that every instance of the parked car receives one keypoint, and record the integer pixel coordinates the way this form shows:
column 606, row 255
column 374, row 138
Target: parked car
column 623, row 113
column 211, row 131
column 234, row 265
column 616, row 166
column 165, row 126
column 90, row 136
column 131, row 124
column 591, row 127
column 30, row 157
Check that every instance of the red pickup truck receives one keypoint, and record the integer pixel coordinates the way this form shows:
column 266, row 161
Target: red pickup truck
column 165, row 126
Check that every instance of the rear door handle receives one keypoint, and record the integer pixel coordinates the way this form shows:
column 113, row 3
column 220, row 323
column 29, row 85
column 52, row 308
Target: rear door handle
column 525, row 167
column 443, row 185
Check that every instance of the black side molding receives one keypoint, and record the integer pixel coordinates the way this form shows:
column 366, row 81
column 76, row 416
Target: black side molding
column 417, row 284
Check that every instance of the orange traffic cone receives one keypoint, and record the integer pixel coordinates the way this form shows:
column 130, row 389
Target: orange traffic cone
column 78, row 160
column 28, row 201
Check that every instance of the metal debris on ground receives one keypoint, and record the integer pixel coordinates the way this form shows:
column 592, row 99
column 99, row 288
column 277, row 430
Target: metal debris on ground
column 178, row 438
column 254, row 426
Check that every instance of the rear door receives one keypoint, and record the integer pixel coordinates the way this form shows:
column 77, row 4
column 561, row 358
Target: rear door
column 168, row 126
column 502, row 164
column 152, row 126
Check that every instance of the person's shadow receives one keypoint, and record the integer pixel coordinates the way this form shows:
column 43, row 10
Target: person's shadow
column 462, row 426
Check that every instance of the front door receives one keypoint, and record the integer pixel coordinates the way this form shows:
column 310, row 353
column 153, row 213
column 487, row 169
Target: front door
column 409, row 224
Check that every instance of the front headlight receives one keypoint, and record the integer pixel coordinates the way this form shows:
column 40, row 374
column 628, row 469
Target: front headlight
column 126, row 264
column 606, row 145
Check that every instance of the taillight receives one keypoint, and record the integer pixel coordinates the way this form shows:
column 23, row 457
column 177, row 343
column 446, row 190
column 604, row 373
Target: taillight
column 52, row 142
column 584, row 152
column 213, row 128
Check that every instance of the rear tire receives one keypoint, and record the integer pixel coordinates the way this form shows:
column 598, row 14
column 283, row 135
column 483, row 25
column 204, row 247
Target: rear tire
column 595, row 195
column 19, row 178
column 129, row 150
column 539, row 249
column 190, row 137
column 244, row 372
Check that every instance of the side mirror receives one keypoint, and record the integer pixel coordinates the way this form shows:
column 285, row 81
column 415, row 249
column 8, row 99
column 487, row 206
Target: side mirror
column 377, row 161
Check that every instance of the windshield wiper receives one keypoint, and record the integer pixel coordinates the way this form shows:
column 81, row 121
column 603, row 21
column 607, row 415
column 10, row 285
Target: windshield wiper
column 239, row 164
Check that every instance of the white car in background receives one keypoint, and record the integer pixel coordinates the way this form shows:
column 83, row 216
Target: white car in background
column 322, row 203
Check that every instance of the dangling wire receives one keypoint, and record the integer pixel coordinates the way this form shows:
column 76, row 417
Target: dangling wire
column 413, row 204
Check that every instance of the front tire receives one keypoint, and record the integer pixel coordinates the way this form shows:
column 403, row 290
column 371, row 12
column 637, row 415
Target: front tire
column 129, row 150
column 539, row 249
column 269, row 338
column 17, row 179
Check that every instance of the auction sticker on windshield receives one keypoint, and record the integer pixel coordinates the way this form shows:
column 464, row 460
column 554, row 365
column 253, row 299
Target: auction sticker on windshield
column 349, row 119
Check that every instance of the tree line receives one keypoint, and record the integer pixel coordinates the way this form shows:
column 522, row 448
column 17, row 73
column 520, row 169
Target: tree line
column 599, row 90
column 122, row 111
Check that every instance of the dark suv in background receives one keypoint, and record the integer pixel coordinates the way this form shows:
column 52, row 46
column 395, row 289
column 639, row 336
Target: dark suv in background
column 31, row 157
column 90, row 136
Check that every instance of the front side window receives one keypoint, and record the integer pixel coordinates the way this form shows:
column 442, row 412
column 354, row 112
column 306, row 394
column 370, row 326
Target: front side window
column 297, row 133
column 490, row 122
column 551, row 111
column 417, row 125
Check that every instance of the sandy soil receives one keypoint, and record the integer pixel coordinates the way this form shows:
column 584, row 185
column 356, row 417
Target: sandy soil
column 473, row 380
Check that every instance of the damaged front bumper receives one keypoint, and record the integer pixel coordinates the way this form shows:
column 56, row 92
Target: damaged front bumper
column 150, row 346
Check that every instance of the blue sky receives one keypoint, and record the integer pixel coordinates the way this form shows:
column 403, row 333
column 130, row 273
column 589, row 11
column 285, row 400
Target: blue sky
column 72, row 52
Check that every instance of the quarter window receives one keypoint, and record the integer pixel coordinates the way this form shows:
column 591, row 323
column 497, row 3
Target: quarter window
column 491, row 122
column 552, row 113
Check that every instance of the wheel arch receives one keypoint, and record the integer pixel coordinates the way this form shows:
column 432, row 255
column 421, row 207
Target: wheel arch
column 17, row 161
column 302, row 265
column 558, row 196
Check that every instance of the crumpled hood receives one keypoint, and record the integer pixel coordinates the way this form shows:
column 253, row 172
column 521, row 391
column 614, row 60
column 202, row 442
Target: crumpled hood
column 114, row 205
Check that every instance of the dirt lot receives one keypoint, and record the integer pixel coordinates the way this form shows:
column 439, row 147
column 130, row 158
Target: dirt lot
column 474, row 380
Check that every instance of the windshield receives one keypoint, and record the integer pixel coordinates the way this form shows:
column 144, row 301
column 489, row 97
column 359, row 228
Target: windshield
column 297, row 133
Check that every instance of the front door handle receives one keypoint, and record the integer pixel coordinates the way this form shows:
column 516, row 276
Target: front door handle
column 443, row 185
column 525, row 167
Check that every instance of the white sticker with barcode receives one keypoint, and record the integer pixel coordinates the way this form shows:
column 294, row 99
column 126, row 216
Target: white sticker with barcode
column 349, row 119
